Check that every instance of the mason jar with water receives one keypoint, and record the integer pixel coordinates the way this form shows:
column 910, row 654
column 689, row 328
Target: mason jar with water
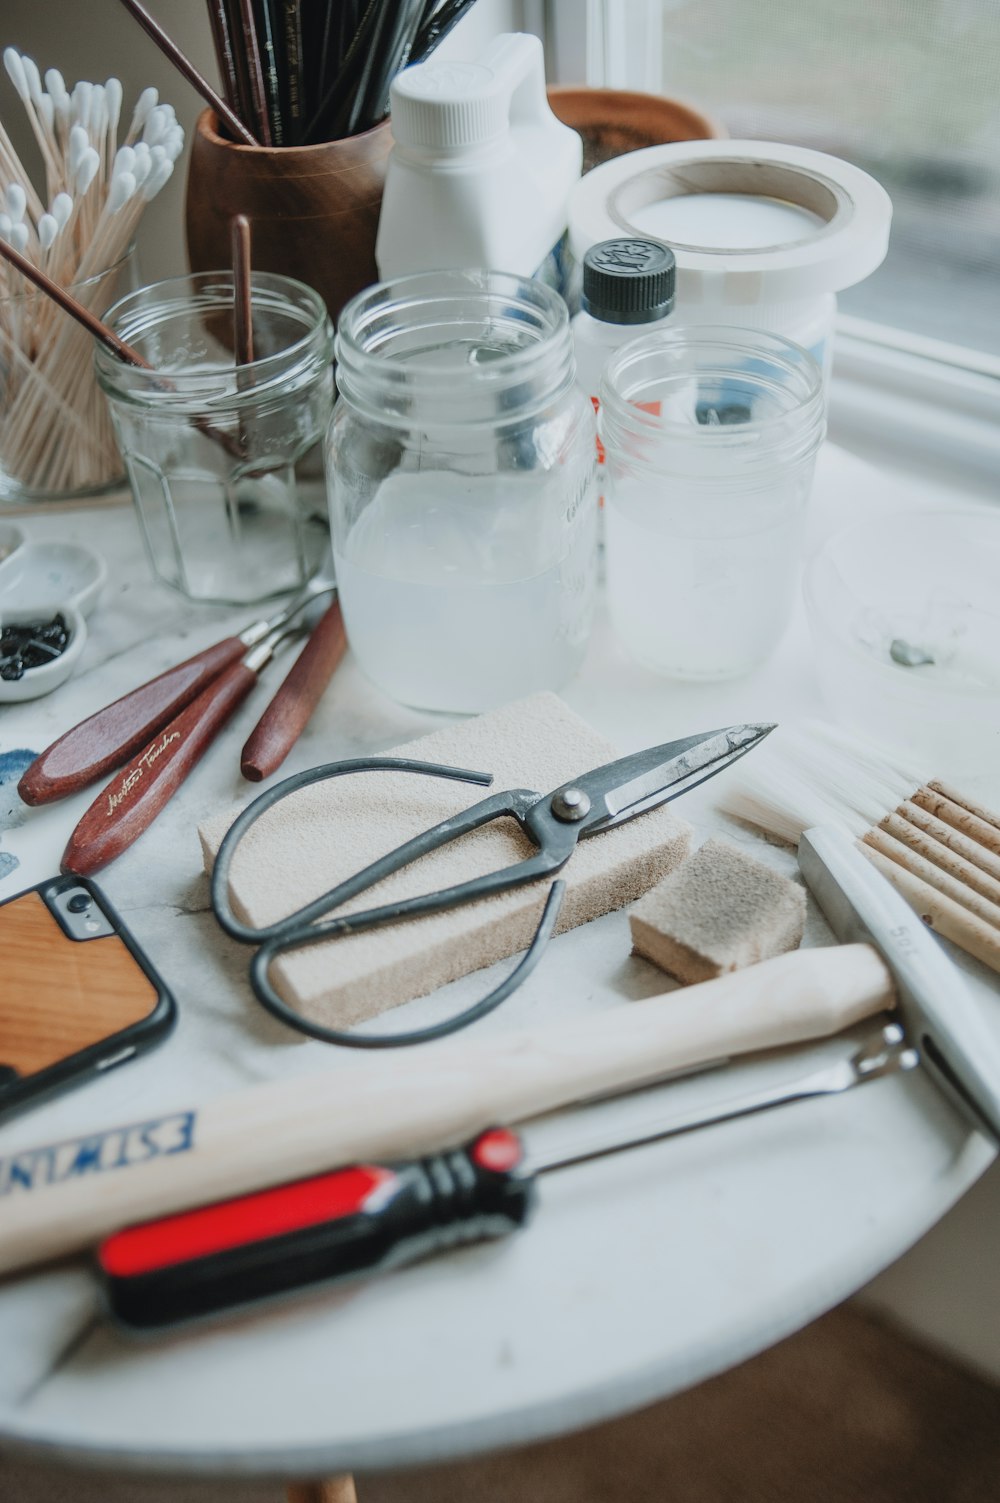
column 460, row 472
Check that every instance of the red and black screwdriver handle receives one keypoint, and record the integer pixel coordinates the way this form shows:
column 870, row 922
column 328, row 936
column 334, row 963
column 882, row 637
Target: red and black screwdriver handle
column 347, row 1224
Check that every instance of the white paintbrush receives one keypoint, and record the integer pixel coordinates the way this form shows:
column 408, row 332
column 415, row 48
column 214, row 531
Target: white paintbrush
column 939, row 848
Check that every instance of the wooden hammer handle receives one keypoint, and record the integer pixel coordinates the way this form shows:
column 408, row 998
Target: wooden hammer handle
column 58, row 1199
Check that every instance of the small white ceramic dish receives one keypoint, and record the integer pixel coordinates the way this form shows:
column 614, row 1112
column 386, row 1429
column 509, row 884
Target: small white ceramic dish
column 36, row 581
column 48, row 676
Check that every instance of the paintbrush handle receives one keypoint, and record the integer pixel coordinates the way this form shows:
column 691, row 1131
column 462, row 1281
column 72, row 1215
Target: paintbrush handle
column 400, row 1108
column 184, row 66
column 289, row 712
column 940, row 912
column 109, row 737
column 135, row 796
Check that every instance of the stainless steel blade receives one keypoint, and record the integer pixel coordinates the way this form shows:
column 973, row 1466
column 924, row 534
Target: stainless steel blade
column 622, row 789
column 883, row 1053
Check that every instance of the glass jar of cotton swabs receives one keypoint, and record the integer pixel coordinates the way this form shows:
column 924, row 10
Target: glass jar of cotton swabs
column 56, row 436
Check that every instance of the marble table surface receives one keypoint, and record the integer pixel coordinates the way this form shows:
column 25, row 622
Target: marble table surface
column 641, row 1274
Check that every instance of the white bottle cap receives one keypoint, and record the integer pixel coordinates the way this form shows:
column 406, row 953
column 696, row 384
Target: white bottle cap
column 442, row 105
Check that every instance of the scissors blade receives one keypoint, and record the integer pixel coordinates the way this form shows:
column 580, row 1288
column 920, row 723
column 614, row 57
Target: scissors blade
column 620, row 790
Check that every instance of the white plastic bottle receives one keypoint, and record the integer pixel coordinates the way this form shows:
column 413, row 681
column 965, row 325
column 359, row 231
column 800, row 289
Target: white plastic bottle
column 628, row 288
column 481, row 170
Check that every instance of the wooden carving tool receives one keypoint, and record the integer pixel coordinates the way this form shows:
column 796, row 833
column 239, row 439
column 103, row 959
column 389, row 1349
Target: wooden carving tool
column 113, row 734
column 288, row 714
column 126, row 808
column 60, row 1198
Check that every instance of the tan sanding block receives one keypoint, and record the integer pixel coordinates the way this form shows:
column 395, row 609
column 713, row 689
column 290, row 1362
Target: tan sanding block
column 720, row 911
column 322, row 834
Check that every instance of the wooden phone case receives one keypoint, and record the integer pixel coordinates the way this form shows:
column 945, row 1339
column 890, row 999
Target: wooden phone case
column 69, row 1006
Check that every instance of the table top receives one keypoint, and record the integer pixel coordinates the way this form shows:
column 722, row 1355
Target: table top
column 640, row 1274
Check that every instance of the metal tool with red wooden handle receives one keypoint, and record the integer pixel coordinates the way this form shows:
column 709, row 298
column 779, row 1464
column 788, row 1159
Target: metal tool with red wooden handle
column 137, row 793
column 109, row 737
column 289, row 712
column 370, row 1218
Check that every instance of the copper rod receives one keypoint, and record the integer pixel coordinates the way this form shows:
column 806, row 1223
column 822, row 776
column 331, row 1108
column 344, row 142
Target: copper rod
column 242, row 291
column 153, row 29
column 69, row 305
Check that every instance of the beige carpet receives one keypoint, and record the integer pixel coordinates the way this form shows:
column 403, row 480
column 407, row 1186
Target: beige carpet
column 847, row 1411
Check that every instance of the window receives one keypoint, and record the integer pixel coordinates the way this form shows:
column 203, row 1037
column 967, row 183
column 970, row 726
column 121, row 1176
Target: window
column 907, row 89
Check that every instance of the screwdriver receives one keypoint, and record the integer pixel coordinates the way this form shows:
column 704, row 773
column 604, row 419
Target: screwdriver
column 370, row 1218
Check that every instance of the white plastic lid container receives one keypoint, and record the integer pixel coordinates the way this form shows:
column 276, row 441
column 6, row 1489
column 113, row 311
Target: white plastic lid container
column 764, row 235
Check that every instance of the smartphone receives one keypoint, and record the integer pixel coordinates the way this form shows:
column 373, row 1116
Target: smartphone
column 77, row 994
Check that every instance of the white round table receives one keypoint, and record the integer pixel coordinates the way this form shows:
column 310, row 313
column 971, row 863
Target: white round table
column 641, row 1273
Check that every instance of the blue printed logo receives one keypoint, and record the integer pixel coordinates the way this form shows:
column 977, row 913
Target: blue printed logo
column 97, row 1153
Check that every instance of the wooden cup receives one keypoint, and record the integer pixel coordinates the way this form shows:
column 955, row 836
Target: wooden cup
column 313, row 209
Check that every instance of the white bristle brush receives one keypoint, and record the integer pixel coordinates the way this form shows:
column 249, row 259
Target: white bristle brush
column 938, row 848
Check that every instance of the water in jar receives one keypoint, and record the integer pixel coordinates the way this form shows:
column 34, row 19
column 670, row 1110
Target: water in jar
column 463, row 591
column 699, row 585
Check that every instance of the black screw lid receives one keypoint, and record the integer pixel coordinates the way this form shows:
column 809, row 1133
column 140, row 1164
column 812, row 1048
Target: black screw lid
column 628, row 281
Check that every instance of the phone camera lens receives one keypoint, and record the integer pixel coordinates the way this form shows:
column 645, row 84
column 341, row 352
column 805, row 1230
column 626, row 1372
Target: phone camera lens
column 79, row 902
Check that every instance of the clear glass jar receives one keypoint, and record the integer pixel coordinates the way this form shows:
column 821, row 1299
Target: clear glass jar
column 460, row 471
column 224, row 460
column 56, row 437
column 710, row 437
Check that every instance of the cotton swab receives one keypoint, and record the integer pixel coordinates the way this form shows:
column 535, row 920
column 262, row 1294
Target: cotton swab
column 57, row 431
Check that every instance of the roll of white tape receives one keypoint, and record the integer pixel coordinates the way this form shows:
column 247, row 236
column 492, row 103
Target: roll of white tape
column 748, row 221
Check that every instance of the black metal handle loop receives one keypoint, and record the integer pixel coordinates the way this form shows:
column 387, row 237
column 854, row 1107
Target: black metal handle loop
column 268, row 997
column 300, row 929
column 265, row 801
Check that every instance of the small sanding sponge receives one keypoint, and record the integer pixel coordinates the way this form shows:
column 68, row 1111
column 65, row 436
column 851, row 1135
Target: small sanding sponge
column 720, row 911
column 322, row 834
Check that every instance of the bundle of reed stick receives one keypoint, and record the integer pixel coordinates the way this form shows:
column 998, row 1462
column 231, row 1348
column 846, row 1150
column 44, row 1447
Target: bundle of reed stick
column 56, row 435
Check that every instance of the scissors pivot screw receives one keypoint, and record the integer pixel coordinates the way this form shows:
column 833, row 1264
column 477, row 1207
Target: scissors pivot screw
column 570, row 804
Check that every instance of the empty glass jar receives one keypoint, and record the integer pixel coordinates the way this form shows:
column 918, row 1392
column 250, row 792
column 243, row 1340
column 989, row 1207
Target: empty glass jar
column 460, row 470
column 224, row 459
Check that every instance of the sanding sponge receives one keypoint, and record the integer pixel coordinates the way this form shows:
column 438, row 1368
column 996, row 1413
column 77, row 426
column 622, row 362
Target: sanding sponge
column 720, row 911
column 320, row 835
